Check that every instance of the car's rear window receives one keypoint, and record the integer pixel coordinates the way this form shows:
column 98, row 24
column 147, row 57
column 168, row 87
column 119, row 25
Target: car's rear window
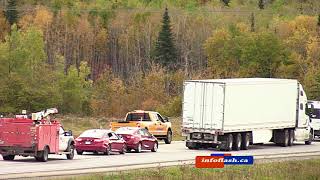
column 125, row 130
column 138, row 117
column 93, row 133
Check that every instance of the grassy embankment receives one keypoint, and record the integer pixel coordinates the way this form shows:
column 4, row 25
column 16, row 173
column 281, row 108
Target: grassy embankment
column 79, row 124
column 300, row 169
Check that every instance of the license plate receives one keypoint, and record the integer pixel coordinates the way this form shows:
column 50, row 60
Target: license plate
column 87, row 142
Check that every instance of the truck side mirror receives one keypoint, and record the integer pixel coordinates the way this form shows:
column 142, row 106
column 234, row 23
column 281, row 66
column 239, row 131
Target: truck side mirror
column 68, row 133
column 309, row 110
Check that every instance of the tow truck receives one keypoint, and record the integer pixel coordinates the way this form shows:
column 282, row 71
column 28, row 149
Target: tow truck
column 37, row 135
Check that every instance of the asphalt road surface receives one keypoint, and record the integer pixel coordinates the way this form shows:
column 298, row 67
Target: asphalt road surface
column 168, row 154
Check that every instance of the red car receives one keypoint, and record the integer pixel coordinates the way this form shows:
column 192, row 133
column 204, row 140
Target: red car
column 100, row 140
column 138, row 139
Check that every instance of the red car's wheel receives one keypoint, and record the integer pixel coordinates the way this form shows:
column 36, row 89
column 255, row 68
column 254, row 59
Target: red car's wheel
column 124, row 149
column 139, row 147
column 108, row 150
column 155, row 147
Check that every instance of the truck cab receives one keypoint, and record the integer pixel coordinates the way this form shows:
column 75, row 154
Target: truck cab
column 157, row 125
column 315, row 117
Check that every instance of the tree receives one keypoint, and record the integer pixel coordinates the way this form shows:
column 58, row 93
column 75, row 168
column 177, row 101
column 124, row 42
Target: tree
column 252, row 20
column 261, row 4
column 27, row 81
column 165, row 52
column 11, row 12
column 75, row 90
column 226, row 2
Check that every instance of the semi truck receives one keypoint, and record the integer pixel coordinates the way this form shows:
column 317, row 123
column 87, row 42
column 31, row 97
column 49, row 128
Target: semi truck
column 315, row 118
column 37, row 135
column 232, row 114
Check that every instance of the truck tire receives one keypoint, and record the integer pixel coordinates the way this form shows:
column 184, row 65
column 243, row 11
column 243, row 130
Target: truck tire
column 227, row 142
column 192, row 145
column 291, row 137
column 245, row 140
column 168, row 139
column 8, row 157
column 43, row 155
column 236, row 141
column 139, row 147
column 71, row 151
column 285, row 138
column 308, row 142
column 79, row 152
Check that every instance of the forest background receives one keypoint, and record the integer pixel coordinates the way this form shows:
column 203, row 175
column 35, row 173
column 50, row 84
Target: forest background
column 103, row 58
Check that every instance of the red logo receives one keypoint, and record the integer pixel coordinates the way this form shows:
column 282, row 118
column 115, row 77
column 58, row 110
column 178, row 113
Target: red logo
column 209, row 162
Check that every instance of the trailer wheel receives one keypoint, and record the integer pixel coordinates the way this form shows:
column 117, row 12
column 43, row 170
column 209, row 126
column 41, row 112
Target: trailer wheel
column 8, row 157
column 43, row 155
column 291, row 137
column 285, row 138
column 245, row 140
column 71, row 151
column 236, row 141
column 227, row 142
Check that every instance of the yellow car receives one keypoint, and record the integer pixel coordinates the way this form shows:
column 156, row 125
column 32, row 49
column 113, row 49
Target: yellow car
column 157, row 125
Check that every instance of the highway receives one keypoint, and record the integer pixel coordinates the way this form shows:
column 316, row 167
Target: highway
column 172, row 154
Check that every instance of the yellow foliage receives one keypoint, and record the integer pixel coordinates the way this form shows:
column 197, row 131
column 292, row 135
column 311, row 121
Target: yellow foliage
column 313, row 50
column 43, row 17
column 150, row 104
column 26, row 21
column 301, row 24
column 308, row 23
column 4, row 27
column 243, row 27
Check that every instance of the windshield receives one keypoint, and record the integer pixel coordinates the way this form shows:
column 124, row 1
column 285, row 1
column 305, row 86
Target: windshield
column 126, row 130
column 93, row 133
column 316, row 114
column 138, row 117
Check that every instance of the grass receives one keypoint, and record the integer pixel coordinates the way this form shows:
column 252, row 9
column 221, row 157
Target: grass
column 80, row 124
column 300, row 169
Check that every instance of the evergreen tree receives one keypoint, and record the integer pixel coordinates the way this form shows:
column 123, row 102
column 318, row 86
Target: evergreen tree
column 252, row 22
column 261, row 4
column 165, row 51
column 11, row 12
column 226, row 2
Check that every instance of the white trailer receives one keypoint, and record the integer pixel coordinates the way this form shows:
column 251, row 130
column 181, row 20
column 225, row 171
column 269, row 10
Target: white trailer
column 233, row 113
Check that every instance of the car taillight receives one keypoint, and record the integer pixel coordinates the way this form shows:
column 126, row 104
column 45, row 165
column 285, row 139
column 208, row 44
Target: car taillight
column 78, row 139
column 98, row 140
